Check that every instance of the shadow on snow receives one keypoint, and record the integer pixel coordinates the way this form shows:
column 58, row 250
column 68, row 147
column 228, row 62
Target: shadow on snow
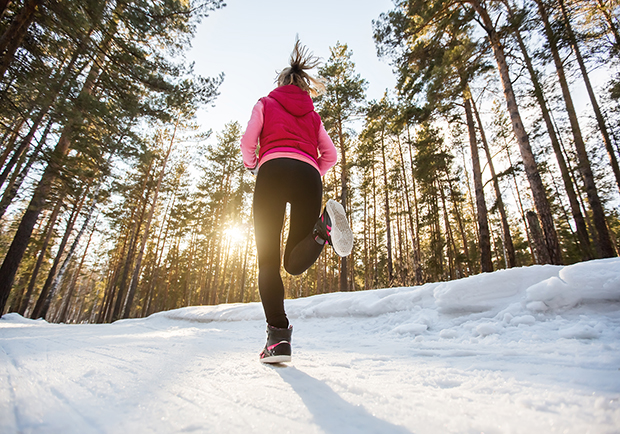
column 332, row 413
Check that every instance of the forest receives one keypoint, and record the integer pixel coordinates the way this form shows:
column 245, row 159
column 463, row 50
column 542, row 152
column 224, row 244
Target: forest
column 498, row 148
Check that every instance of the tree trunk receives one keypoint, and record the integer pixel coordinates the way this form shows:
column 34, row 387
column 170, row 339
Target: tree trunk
column 436, row 233
column 603, row 241
column 49, row 230
column 597, row 110
column 57, row 282
column 10, row 137
column 486, row 264
column 115, row 268
column 46, row 101
column 419, row 278
column 62, row 316
column 399, row 234
column 129, row 259
column 409, row 212
column 449, row 238
column 158, row 256
column 45, row 298
column 16, row 32
column 537, row 237
column 136, row 272
column 459, row 220
column 375, row 240
column 520, row 204
column 531, row 169
column 24, row 231
column 388, row 220
column 366, row 232
column 507, row 237
column 580, row 224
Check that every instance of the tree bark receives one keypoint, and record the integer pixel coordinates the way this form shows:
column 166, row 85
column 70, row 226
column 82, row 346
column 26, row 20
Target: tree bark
column 486, row 264
column 537, row 237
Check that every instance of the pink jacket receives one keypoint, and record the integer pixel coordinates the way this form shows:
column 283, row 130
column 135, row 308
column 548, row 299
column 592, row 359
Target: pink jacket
column 250, row 141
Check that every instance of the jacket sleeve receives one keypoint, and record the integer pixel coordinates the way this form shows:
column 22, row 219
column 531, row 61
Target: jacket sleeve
column 327, row 151
column 249, row 141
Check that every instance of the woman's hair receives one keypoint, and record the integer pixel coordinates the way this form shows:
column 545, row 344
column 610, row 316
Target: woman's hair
column 302, row 60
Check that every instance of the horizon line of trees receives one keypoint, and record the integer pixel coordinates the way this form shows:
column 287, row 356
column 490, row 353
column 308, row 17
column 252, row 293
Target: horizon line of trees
column 115, row 205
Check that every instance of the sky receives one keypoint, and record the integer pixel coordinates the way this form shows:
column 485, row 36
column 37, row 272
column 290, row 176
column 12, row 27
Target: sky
column 250, row 41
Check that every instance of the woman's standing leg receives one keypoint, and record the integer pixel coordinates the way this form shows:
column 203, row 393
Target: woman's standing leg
column 269, row 209
column 278, row 182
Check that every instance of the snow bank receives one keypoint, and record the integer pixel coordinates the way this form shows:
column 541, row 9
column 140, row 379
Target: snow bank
column 221, row 312
column 584, row 282
column 516, row 295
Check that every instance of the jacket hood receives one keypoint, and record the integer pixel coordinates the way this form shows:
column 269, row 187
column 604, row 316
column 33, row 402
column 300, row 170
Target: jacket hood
column 294, row 100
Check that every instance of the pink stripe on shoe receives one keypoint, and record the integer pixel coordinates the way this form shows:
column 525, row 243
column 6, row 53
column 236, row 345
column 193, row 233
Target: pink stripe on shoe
column 275, row 345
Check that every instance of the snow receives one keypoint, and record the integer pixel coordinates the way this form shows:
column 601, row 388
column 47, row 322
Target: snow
column 526, row 350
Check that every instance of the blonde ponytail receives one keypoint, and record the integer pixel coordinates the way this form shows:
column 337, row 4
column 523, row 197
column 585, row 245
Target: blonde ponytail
column 300, row 61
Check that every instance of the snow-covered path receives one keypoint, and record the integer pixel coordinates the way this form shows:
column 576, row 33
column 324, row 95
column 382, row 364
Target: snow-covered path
column 531, row 350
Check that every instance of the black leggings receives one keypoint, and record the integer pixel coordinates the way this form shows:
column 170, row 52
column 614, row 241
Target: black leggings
column 280, row 181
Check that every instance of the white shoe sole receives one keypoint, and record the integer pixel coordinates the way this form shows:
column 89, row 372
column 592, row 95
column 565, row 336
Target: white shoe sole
column 276, row 359
column 341, row 234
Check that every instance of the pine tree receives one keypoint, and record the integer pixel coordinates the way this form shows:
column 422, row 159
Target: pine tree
column 128, row 77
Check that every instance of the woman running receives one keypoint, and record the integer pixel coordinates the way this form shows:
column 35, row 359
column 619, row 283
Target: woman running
column 294, row 152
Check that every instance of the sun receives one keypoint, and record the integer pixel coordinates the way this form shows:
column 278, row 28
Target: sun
column 235, row 234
